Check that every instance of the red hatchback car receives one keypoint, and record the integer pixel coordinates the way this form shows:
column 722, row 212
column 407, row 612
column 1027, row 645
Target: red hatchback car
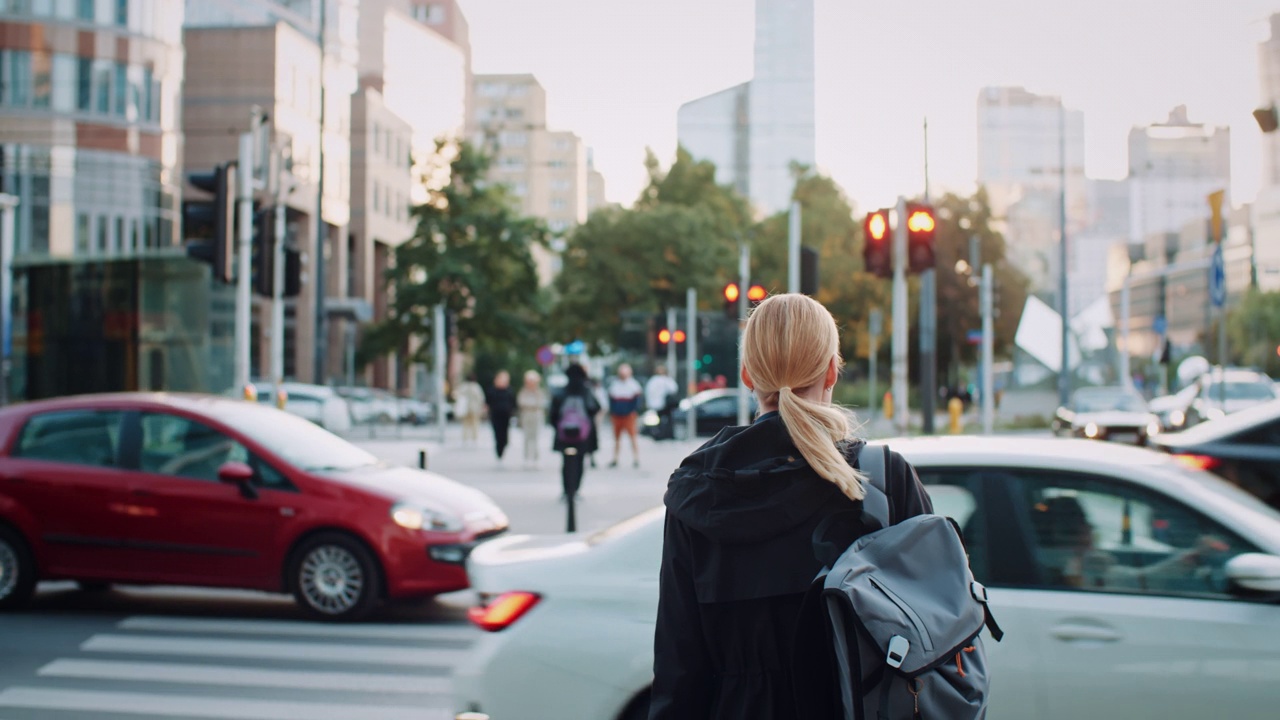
column 197, row 490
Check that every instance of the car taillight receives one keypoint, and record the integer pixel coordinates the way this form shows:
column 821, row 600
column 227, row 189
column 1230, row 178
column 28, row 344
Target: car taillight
column 1197, row 462
column 503, row 610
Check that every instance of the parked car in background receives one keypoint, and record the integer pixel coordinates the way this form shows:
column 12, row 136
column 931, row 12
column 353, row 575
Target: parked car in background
column 370, row 406
column 320, row 404
column 1223, row 393
column 1104, row 564
column 1243, row 447
column 714, row 410
column 1171, row 410
column 1107, row 413
column 197, row 490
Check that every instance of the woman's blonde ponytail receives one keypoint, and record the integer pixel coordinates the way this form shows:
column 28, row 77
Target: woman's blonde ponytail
column 789, row 342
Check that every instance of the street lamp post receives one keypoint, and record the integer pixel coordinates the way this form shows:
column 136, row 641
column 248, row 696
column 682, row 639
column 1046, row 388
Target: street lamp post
column 7, row 205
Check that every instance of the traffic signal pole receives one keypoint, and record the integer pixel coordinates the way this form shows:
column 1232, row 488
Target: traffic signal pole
column 793, row 248
column 988, row 346
column 899, row 351
column 672, row 364
column 744, row 284
column 691, row 358
column 277, row 278
column 244, row 269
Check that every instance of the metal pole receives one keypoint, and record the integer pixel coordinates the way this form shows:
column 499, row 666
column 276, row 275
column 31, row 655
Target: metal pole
column 928, row 348
column 793, row 248
column 321, row 327
column 928, row 323
column 7, row 205
column 988, row 345
column 874, row 326
column 744, row 282
column 244, row 268
column 691, row 357
column 438, row 351
column 1125, row 370
column 899, row 371
column 672, row 361
column 1064, row 377
column 277, row 280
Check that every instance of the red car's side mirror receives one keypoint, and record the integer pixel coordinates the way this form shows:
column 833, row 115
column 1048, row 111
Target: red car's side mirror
column 235, row 473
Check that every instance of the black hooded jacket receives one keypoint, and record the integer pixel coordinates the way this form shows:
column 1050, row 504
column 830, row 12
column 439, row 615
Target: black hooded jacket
column 739, row 631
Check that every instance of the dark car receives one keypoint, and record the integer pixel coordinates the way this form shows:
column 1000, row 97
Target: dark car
column 1243, row 447
column 193, row 490
column 715, row 410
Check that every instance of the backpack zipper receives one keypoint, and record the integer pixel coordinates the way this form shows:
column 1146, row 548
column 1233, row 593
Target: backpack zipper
column 915, row 620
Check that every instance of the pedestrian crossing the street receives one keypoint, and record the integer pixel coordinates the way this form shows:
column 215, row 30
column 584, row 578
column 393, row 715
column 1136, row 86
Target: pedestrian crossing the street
column 214, row 669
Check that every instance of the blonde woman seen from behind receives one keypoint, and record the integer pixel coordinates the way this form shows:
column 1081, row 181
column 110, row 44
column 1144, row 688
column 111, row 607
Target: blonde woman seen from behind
column 468, row 404
column 740, row 630
column 531, row 408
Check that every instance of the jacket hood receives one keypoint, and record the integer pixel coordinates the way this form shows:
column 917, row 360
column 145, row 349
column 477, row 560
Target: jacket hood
column 749, row 484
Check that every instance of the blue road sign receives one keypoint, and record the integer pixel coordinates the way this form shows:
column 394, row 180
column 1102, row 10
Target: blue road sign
column 973, row 337
column 1217, row 279
column 1160, row 325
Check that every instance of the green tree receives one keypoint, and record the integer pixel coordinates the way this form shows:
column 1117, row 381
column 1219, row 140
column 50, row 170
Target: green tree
column 959, row 219
column 1253, row 329
column 827, row 225
column 472, row 252
column 681, row 234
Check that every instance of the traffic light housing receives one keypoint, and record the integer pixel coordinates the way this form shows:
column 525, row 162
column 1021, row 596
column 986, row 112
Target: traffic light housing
column 731, row 293
column 808, row 271
column 922, row 230
column 877, row 244
column 264, row 245
column 209, row 225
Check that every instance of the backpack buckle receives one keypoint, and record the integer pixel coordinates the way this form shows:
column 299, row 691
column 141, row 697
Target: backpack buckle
column 898, row 647
column 979, row 592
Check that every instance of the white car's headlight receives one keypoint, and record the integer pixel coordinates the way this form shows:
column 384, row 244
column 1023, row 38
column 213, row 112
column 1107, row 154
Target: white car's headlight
column 1153, row 428
column 651, row 418
column 417, row 517
column 1177, row 417
column 1091, row 430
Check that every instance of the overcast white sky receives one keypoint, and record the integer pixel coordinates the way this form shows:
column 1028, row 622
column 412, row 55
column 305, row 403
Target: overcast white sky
column 616, row 71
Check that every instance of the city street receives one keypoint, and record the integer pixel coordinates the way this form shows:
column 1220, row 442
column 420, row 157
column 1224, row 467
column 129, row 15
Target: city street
column 189, row 653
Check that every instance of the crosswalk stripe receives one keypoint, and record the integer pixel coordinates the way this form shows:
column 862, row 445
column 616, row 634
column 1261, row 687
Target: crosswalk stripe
column 245, row 677
column 300, row 628
column 214, row 708
column 320, row 652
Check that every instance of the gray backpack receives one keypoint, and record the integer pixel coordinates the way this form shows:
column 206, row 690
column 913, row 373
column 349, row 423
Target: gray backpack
column 905, row 614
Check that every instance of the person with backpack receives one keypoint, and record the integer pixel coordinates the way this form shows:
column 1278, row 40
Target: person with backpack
column 741, row 630
column 573, row 415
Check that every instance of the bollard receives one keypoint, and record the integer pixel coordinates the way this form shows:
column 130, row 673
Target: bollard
column 422, row 459
column 572, row 476
column 955, row 407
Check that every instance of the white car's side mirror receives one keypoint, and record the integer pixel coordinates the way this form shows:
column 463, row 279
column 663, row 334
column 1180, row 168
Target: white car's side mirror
column 1254, row 571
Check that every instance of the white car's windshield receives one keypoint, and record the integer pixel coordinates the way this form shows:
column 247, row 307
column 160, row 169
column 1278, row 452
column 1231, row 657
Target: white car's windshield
column 1240, row 391
column 1106, row 401
column 297, row 441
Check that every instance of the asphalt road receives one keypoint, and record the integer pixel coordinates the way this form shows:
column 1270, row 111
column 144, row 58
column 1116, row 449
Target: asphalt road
column 132, row 652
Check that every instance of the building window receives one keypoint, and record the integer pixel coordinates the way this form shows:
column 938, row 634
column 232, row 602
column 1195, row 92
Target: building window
column 122, row 13
column 513, row 162
column 102, row 235
column 102, row 85
column 121, row 89
column 84, row 84
column 15, row 78
column 85, row 10
column 513, row 139
column 82, row 234
column 64, row 82
column 515, row 113
column 42, row 85
column 558, row 204
column 377, row 138
column 376, row 195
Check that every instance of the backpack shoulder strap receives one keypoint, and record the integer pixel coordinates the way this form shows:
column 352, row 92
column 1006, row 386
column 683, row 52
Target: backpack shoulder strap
column 873, row 461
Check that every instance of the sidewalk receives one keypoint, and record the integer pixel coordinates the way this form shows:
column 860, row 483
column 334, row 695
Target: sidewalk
column 530, row 494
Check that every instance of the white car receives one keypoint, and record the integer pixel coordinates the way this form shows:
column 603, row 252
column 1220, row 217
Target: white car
column 1165, row 608
column 320, row 404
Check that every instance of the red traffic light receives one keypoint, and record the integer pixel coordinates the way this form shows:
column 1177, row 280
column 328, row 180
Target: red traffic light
column 664, row 336
column 731, row 292
column 877, row 225
column 922, row 228
column 921, row 220
column 756, row 293
column 678, row 336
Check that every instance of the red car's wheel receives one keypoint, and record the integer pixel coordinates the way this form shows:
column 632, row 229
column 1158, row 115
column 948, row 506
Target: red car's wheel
column 335, row 577
column 17, row 570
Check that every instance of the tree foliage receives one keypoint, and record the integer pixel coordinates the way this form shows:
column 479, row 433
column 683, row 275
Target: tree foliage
column 472, row 252
column 1253, row 329
column 959, row 219
column 827, row 225
column 680, row 234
